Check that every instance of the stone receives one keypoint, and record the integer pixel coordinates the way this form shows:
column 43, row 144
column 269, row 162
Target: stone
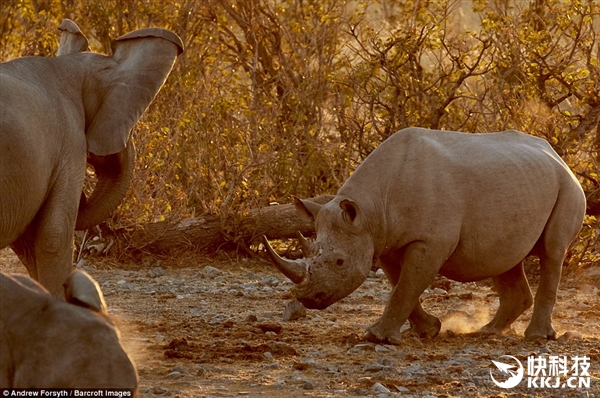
column 294, row 310
column 156, row 272
column 211, row 272
column 571, row 336
column 380, row 388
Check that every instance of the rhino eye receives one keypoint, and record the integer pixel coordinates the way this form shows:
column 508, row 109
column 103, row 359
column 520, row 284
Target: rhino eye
column 340, row 261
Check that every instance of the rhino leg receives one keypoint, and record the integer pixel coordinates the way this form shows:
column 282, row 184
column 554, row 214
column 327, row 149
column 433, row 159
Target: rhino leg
column 418, row 269
column 540, row 326
column 515, row 297
column 422, row 323
column 562, row 227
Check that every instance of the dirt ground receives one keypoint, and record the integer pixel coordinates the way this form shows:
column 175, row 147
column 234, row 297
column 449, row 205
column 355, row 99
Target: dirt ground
column 214, row 327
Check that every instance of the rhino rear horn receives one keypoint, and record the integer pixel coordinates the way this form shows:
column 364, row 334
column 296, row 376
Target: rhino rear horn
column 308, row 248
column 294, row 270
column 82, row 290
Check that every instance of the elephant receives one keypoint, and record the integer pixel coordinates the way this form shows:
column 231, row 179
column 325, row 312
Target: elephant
column 56, row 115
column 50, row 343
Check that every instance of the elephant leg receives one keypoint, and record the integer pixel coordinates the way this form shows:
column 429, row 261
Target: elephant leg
column 24, row 249
column 515, row 297
column 46, row 247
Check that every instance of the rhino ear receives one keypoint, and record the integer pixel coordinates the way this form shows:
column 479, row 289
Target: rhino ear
column 307, row 207
column 82, row 290
column 143, row 60
column 350, row 211
column 72, row 40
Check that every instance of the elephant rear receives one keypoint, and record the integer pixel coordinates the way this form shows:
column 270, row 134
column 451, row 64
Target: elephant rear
column 24, row 155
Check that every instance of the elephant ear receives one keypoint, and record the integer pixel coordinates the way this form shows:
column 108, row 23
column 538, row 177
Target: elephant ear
column 143, row 60
column 72, row 40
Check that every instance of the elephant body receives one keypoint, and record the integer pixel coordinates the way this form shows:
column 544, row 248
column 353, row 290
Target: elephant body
column 48, row 343
column 42, row 168
column 56, row 115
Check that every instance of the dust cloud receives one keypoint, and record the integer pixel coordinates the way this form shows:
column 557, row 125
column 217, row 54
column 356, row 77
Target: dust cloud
column 461, row 322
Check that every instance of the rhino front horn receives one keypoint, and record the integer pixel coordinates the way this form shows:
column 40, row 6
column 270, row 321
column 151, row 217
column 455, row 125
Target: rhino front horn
column 295, row 270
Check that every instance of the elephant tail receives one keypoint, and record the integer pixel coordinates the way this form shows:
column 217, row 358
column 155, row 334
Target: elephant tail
column 114, row 173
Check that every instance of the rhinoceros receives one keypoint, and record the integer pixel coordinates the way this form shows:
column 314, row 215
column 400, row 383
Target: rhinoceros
column 427, row 202
column 49, row 343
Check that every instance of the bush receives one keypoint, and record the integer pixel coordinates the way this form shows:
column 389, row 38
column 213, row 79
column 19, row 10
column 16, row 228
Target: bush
column 274, row 98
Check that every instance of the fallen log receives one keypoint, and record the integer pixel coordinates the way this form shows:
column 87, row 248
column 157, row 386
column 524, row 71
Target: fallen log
column 207, row 235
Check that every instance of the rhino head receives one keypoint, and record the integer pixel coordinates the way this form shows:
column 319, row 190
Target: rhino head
column 337, row 262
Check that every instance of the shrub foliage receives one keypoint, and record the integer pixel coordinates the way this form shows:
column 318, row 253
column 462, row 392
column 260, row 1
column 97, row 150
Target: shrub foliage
column 280, row 97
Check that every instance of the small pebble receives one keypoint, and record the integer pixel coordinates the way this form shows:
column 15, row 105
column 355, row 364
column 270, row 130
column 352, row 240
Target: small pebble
column 294, row 310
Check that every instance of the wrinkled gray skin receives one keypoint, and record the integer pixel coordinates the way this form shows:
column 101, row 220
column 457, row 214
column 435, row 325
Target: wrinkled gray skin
column 58, row 112
column 49, row 343
column 466, row 206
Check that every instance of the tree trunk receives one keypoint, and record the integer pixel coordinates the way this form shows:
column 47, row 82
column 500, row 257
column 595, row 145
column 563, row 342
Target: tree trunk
column 205, row 234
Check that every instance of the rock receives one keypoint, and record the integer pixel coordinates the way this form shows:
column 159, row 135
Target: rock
column 545, row 350
column 571, row 336
column 403, row 390
column 251, row 318
column 81, row 263
column 270, row 327
column 380, row 388
column 373, row 367
column 180, row 369
column 175, row 375
column 211, row 272
column 270, row 281
column 160, row 390
column 281, row 348
column 512, row 340
column 294, row 310
column 156, row 272
column 593, row 273
column 268, row 355
column 360, row 348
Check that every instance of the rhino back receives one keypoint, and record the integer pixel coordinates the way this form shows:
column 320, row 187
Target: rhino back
column 475, row 194
column 74, row 347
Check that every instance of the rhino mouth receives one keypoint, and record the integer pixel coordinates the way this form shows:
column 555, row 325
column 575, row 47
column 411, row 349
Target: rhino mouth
column 318, row 301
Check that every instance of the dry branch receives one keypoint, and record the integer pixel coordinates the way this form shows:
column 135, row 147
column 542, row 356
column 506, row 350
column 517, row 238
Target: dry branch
column 205, row 234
